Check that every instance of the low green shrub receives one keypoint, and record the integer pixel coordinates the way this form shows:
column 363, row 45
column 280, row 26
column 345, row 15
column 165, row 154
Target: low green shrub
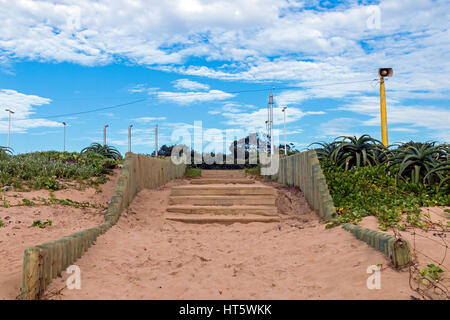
column 253, row 171
column 374, row 191
column 193, row 172
column 39, row 170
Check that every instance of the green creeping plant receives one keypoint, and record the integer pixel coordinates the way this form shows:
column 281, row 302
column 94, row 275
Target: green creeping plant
column 431, row 271
column 374, row 190
column 42, row 225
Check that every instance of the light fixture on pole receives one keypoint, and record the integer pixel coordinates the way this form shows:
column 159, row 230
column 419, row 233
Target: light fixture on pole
column 284, row 115
column 129, row 138
column 104, row 134
column 156, row 140
column 64, row 135
column 384, row 72
column 9, row 123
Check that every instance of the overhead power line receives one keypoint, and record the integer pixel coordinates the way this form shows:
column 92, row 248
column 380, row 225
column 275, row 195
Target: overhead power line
column 187, row 94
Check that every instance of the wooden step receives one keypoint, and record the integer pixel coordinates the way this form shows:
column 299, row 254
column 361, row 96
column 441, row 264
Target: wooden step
column 193, row 218
column 266, row 200
column 223, row 173
column 223, row 210
column 223, row 190
column 222, row 181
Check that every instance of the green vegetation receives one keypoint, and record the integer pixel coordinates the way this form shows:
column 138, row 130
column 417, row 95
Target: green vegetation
column 42, row 225
column 431, row 272
column 193, row 172
column 365, row 178
column 326, row 149
column 253, row 171
column 50, row 169
column 290, row 149
column 5, row 152
column 374, row 191
column 351, row 152
column 419, row 162
column 103, row 150
column 36, row 201
column 1, row 223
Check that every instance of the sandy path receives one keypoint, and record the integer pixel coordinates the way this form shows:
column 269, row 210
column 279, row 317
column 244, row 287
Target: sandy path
column 146, row 257
column 17, row 234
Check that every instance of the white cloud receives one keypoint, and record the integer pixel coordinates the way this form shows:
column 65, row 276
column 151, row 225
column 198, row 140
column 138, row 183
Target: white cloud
column 429, row 117
column 138, row 88
column 339, row 127
column 23, row 107
column 231, row 107
column 184, row 98
column 256, row 120
column 189, row 85
column 149, row 119
column 400, row 129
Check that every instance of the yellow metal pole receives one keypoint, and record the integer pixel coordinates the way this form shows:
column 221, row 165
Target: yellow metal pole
column 384, row 135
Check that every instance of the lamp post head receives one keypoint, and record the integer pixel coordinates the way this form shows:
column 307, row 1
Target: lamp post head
column 9, row 110
column 64, row 123
column 284, row 109
column 385, row 72
column 106, row 126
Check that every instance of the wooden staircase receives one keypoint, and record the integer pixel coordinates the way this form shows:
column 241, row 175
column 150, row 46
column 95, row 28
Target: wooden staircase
column 222, row 196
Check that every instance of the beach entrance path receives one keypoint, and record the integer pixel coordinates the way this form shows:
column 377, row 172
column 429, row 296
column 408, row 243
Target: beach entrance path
column 146, row 255
column 223, row 196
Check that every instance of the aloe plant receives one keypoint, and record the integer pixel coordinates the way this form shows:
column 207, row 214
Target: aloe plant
column 418, row 161
column 5, row 151
column 358, row 152
column 104, row 150
column 440, row 172
column 326, row 150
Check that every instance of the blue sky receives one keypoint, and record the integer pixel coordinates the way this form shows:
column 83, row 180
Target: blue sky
column 190, row 61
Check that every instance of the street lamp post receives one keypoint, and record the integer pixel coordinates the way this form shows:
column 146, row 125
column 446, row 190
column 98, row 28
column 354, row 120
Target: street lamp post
column 271, row 122
column 284, row 116
column 156, row 140
column 267, row 135
column 384, row 72
column 104, row 134
column 129, row 138
column 64, row 135
column 9, row 123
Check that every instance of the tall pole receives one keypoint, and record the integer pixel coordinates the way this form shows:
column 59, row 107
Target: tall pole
column 9, row 123
column 104, row 134
column 267, row 127
column 284, row 115
column 156, row 140
column 271, row 122
column 267, row 134
column 384, row 135
column 384, row 72
column 129, row 138
column 64, row 136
